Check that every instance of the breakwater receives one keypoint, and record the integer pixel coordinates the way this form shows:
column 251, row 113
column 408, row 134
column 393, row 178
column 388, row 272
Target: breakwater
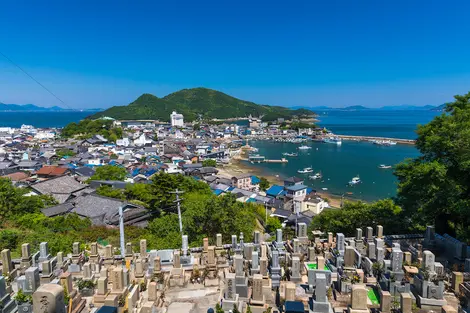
column 380, row 139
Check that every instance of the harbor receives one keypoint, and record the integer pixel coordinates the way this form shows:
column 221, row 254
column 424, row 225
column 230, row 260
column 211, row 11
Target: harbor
column 378, row 140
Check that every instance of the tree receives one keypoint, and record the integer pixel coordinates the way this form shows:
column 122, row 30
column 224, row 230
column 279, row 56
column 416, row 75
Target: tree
column 110, row 172
column 263, row 184
column 272, row 224
column 434, row 188
column 209, row 163
column 357, row 214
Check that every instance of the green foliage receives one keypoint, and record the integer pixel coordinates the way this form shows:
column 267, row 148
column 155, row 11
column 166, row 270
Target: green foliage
column 9, row 238
column 296, row 125
column 163, row 184
column 273, row 224
column 435, row 187
column 21, row 297
column 88, row 128
column 110, row 172
column 218, row 308
column 85, row 284
column 194, row 102
column 64, row 153
column 13, row 202
column 108, row 191
column 264, row 184
column 357, row 214
column 209, row 163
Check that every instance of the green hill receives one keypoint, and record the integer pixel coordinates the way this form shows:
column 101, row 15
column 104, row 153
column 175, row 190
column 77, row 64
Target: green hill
column 194, row 102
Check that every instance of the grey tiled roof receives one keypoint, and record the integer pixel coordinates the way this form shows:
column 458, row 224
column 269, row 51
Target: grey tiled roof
column 60, row 187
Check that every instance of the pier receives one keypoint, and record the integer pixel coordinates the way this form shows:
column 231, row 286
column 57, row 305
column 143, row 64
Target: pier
column 262, row 160
column 371, row 138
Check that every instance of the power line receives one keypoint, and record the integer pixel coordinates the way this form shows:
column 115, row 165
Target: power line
column 34, row 79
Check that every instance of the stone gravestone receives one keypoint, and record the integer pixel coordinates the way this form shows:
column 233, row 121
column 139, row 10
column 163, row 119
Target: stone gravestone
column 275, row 269
column 32, row 280
column 44, row 252
column 7, row 265
column 185, row 245
column 257, row 296
column 320, row 303
column 256, row 238
column 7, row 305
column 46, row 274
column 380, row 231
column 358, row 299
column 428, row 261
column 397, row 260
column 349, row 256
column 380, row 255
column 295, row 277
column 340, row 243
column 371, row 250
column 49, row 298
column 26, row 260
column 241, row 279
column 231, row 296
column 218, row 240
column 369, row 234
column 358, row 234
column 406, row 302
column 254, row 263
column 263, row 266
column 102, row 286
column 118, row 280
column 129, row 252
column 143, row 248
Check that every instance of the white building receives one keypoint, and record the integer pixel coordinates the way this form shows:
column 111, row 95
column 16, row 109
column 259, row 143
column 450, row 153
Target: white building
column 45, row 135
column 176, row 119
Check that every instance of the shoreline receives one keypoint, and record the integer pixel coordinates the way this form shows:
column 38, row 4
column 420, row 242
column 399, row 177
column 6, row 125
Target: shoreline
column 236, row 167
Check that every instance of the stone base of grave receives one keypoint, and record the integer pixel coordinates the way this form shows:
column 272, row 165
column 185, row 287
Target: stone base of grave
column 111, row 300
column 45, row 279
column 430, row 304
column 258, row 309
column 211, row 282
column 177, row 278
column 228, row 304
column 94, row 259
column 78, row 305
column 148, row 307
column 296, row 279
column 99, row 300
column 108, row 262
column 351, row 310
column 9, row 305
column 258, row 303
column 320, row 307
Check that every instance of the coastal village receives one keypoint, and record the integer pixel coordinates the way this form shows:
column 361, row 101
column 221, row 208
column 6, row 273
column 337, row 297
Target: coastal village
column 315, row 272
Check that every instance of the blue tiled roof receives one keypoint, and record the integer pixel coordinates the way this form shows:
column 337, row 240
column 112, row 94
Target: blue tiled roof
column 274, row 190
column 255, row 180
column 296, row 187
column 218, row 192
column 230, row 188
column 251, row 200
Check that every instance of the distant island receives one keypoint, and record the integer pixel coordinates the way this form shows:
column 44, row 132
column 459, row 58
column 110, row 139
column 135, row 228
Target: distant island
column 384, row 108
column 199, row 102
column 34, row 108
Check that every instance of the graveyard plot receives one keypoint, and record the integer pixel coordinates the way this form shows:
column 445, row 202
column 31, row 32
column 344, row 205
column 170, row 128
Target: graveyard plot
column 373, row 296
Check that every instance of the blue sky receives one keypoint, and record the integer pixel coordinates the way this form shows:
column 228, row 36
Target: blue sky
column 335, row 53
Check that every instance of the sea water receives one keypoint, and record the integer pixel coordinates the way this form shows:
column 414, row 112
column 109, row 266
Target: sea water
column 41, row 119
column 340, row 163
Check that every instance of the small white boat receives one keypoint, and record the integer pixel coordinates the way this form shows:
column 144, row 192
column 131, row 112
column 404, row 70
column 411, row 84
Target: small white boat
column 383, row 166
column 305, row 170
column 355, row 180
column 293, row 154
column 335, row 140
column 316, row 176
column 324, row 189
column 304, row 148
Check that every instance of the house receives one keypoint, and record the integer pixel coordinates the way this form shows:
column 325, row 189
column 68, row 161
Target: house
column 101, row 210
column 60, row 188
column 7, row 167
column 242, row 181
column 313, row 203
column 275, row 191
column 17, row 177
column 291, row 181
column 296, row 192
column 30, row 166
column 48, row 171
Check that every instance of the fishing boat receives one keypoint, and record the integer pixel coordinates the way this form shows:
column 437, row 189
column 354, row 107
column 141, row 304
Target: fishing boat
column 304, row 148
column 383, row 166
column 334, row 140
column 384, row 142
column 355, row 180
column 316, row 176
column 305, row 170
column 293, row 154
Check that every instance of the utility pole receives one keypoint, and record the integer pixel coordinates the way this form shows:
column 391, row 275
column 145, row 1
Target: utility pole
column 178, row 205
column 121, row 232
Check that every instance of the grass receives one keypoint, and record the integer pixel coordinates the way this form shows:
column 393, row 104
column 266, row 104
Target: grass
column 373, row 296
column 313, row 266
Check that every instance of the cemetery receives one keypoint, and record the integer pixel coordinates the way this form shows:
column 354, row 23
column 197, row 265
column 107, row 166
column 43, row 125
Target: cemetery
column 315, row 273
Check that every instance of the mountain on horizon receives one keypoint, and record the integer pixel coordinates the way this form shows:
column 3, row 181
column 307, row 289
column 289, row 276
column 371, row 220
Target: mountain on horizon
column 403, row 107
column 4, row 107
column 198, row 102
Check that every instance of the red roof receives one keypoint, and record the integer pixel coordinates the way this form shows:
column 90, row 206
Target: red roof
column 52, row 170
